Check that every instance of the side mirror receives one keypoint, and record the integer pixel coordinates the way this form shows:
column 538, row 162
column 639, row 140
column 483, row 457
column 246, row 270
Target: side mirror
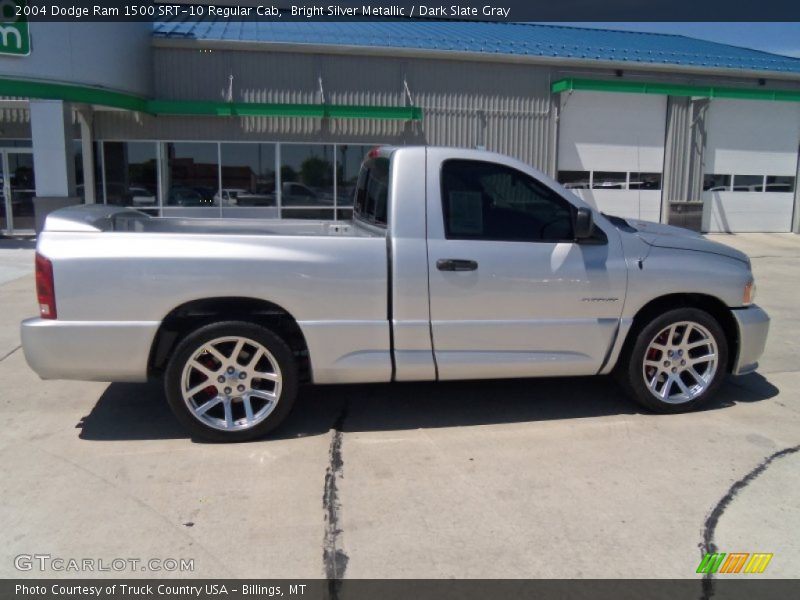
column 584, row 223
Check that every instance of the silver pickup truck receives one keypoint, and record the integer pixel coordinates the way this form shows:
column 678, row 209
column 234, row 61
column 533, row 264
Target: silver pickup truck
column 458, row 264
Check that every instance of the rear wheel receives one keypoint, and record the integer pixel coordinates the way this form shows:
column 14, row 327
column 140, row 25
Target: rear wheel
column 677, row 361
column 231, row 381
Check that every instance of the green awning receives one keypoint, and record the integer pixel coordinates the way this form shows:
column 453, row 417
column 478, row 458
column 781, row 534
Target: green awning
column 101, row 97
column 671, row 89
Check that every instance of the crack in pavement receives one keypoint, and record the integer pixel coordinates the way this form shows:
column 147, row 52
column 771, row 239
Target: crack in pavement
column 10, row 353
column 333, row 557
column 710, row 526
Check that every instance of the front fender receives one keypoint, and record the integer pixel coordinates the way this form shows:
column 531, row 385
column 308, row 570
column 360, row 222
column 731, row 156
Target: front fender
column 666, row 271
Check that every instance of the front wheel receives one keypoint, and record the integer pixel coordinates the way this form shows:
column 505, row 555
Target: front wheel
column 677, row 361
column 231, row 381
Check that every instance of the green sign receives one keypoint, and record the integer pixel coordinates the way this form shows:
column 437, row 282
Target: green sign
column 15, row 37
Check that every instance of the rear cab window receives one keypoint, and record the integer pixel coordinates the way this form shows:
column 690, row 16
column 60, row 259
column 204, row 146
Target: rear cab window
column 372, row 192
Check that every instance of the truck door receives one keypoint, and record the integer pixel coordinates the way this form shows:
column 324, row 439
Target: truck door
column 511, row 293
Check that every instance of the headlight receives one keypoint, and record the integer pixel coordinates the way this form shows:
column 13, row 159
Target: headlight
column 749, row 295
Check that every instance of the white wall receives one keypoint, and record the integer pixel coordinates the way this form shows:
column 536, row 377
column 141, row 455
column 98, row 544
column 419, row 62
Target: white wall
column 752, row 137
column 631, row 204
column 747, row 212
column 112, row 55
column 615, row 132
column 748, row 137
column 612, row 132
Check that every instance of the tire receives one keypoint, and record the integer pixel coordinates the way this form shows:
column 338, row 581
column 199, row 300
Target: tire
column 682, row 381
column 218, row 354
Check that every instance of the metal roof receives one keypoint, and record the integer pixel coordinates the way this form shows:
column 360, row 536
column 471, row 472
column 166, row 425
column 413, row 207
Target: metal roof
column 518, row 39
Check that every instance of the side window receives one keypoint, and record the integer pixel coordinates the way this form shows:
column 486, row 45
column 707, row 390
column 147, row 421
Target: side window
column 488, row 201
column 372, row 192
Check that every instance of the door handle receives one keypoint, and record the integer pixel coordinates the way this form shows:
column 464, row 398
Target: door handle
column 456, row 264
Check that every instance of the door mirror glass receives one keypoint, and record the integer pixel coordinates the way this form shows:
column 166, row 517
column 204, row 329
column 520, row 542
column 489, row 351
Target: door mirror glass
column 584, row 223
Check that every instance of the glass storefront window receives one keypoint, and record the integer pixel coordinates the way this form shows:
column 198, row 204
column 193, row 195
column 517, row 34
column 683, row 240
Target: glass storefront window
column 80, row 187
column 22, row 187
column 574, row 180
column 130, row 170
column 748, row 183
column 645, row 181
column 77, row 148
column 609, row 180
column 317, row 181
column 248, row 175
column 780, row 183
column 191, row 177
column 713, row 182
column 307, row 181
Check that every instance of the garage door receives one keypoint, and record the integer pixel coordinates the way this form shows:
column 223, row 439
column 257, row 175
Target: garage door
column 611, row 150
column 750, row 164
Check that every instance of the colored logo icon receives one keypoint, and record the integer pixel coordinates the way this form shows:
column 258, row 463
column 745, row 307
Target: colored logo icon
column 735, row 562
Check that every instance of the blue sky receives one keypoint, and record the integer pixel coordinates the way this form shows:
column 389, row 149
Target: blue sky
column 780, row 38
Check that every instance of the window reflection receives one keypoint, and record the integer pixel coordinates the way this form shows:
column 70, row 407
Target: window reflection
column 77, row 150
column 248, row 175
column 645, row 181
column 22, row 186
column 307, row 180
column 780, row 183
column 192, row 174
column 317, row 181
column 608, row 180
column 748, row 183
column 716, row 183
column 130, row 175
column 574, row 180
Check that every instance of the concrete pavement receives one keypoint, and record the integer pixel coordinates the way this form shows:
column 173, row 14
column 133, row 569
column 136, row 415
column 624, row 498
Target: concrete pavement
column 534, row 478
column 16, row 258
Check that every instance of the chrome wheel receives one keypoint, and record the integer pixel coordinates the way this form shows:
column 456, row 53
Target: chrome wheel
column 680, row 362
column 231, row 383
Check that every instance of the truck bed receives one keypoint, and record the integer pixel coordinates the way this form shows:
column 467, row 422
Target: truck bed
column 106, row 218
column 330, row 276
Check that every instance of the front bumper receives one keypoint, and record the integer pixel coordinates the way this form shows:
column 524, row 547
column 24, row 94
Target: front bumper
column 88, row 350
column 753, row 325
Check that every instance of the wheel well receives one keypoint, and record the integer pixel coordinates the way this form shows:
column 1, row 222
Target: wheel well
column 714, row 306
column 190, row 316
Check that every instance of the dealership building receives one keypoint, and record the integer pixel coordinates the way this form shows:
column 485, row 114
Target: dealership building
column 263, row 119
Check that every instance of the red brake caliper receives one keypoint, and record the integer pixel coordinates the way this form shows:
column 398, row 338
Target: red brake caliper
column 651, row 355
column 209, row 363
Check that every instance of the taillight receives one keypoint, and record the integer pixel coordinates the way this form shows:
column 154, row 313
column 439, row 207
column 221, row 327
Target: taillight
column 45, row 288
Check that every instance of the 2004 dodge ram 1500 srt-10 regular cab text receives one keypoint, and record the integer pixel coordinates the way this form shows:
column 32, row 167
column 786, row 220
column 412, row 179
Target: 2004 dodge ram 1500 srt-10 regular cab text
column 458, row 264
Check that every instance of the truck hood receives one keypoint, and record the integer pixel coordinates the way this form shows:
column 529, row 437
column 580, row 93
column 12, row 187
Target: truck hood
column 668, row 236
